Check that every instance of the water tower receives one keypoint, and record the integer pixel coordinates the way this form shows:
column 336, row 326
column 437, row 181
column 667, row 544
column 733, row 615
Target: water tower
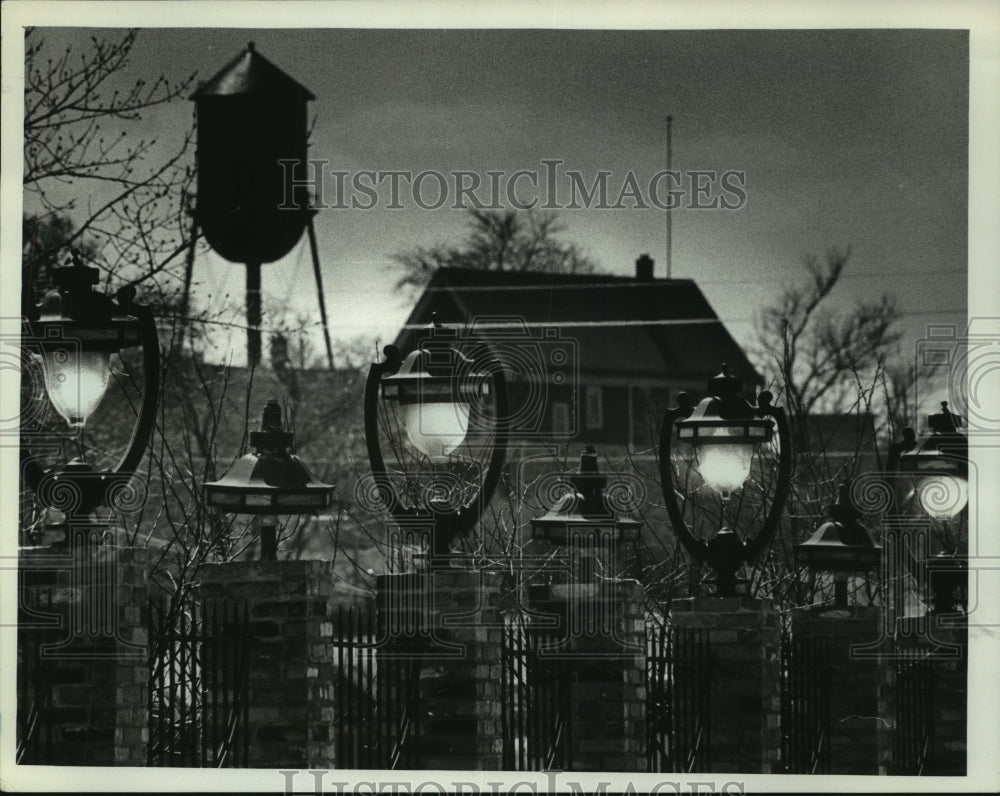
column 251, row 116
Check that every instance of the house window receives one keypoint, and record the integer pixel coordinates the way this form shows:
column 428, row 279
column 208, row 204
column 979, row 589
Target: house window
column 560, row 417
column 595, row 408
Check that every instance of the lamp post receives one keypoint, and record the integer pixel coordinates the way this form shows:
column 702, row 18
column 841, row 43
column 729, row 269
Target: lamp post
column 823, row 642
column 598, row 619
column 439, row 393
column 268, row 482
column 933, row 481
column 440, row 398
column 842, row 546
column 725, row 430
column 95, row 584
column 76, row 330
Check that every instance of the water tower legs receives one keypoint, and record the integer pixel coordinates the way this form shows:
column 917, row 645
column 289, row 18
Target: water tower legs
column 253, row 314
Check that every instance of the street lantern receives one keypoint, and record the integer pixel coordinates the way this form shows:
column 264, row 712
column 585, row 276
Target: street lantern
column 75, row 331
column 435, row 406
column 932, row 480
column 269, row 481
column 439, row 393
column 725, row 430
column 842, row 546
column 938, row 468
column 583, row 521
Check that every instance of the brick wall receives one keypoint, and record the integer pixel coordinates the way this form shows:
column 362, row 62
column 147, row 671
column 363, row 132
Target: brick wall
column 95, row 658
column 604, row 627
column 291, row 678
column 943, row 651
column 745, row 647
column 854, row 714
column 453, row 616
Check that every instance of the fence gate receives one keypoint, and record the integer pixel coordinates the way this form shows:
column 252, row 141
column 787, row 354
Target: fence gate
column 678, row 699
column 198, row 685
column 914, row 735
column 805, row 705
column 377, row 689
column 536, row 718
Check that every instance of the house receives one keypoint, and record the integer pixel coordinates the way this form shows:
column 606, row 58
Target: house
column 609, row 353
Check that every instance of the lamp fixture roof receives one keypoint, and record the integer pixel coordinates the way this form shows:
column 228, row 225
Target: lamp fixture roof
column 842, row 544
column 584, row 509
column 271, row 480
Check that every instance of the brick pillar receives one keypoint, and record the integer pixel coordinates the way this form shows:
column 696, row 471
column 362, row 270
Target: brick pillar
column 94, row 663
column 291, row 699
column 448, row 621
column 951, row 703
column 939, row 657
column 854, row 715
column 604, row 627
column 745, row 645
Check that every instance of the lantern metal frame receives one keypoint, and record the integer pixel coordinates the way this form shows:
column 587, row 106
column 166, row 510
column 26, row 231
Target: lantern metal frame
column 841, row 545
column 269, row 482
column 582, row 518
column 437, row 372
column 942, row 452
column 725, row 417
column 73, row 315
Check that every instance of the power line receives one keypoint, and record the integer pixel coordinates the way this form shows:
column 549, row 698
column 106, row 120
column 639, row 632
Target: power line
column 627, row 283
column 550, row 324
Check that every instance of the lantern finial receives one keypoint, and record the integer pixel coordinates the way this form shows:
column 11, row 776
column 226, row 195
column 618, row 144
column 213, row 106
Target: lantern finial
column 271, row 417
column 945, row 421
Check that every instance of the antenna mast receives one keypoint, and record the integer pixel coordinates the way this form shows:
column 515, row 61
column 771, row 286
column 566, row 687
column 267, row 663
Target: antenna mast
column 670, row 235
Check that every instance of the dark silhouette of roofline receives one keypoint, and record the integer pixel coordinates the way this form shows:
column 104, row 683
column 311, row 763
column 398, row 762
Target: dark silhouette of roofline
column 444, row 295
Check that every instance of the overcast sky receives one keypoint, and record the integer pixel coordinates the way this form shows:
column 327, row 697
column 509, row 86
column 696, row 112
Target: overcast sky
column 845, row 137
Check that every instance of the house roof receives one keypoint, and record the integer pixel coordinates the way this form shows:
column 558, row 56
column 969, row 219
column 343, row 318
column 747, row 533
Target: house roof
column 663, row 329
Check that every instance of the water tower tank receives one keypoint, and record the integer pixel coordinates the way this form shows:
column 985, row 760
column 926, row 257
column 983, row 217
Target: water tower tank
column 251, row 115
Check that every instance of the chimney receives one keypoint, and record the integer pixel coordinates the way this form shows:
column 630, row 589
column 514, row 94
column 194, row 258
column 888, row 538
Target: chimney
column 644, row 268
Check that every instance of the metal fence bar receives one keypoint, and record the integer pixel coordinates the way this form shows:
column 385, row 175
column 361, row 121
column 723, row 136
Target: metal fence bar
column 914, row 719
column 678, row 699
column 805, row 704
column 536, row 706
column 35, row 716
column 199, row 684
column 378, row 709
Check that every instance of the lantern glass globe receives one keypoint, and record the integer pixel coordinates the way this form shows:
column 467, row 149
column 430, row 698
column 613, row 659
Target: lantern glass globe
column 725, row 467
column 942, row 496
column 76, row 382
column 436, row 429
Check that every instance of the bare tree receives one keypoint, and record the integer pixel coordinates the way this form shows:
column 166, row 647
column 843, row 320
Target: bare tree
column 816, row 353
column 498, row 241
column 78, row 109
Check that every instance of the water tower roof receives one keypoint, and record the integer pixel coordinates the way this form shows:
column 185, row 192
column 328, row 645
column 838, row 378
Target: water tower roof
column 251, row 73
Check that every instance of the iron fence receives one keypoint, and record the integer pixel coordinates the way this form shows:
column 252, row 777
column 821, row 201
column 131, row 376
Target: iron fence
column 805, row 705
column 198, row 697
column 377, row 688
column 535, row 707
column 914, row 719
column 678, row 699
column 35, row 680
